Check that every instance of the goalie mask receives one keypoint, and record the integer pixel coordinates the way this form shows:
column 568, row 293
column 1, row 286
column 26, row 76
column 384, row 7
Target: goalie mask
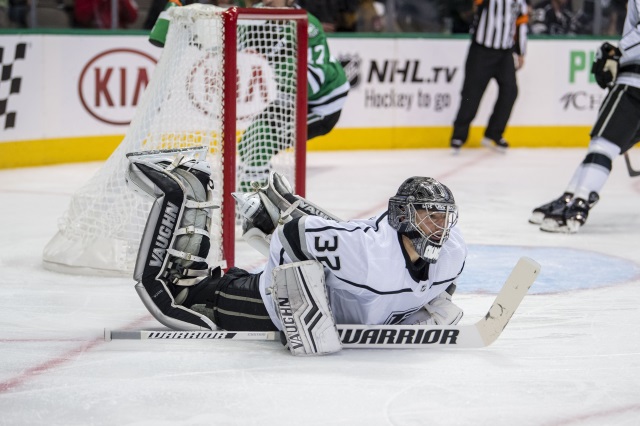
column 424, row 211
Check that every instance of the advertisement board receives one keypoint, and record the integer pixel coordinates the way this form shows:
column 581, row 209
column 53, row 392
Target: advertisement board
column 71, row 97
column 417, row 82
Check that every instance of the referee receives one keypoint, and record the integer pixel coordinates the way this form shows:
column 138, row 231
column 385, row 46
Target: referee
column 499, row 36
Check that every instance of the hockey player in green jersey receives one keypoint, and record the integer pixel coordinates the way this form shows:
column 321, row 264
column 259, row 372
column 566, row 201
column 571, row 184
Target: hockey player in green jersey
column 327, row 84
column 327, row 89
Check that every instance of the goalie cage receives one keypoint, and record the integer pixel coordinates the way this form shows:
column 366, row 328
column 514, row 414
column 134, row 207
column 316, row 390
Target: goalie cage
column 192, row 101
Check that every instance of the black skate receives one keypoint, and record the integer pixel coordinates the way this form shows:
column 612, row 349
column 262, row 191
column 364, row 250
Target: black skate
column 538, row 214
column 556, row 207
column 571, row 218
column 456, row 144
column 500, row 146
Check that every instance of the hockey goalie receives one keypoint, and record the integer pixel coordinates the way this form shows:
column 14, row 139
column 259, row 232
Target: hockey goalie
column 399, row 267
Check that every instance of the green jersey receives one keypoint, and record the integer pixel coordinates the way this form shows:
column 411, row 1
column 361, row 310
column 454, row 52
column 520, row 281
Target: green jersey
column 327, row 82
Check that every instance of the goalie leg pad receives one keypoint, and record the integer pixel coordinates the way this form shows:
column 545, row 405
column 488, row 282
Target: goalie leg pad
column 275, row 204
column 301, row 303
column 175, row 242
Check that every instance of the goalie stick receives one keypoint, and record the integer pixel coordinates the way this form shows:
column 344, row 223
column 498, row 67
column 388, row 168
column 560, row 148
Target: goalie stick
column 632, row 172
column 187, row 335
column 478, row 335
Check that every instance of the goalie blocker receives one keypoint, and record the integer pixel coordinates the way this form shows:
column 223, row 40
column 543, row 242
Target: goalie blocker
column 300, row 297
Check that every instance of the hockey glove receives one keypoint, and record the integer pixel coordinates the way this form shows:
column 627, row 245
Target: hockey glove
column 439, row 311
column 605, row 66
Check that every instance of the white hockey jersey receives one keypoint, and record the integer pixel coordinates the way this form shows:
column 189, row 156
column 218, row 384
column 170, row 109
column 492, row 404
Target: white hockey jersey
column 365, row 265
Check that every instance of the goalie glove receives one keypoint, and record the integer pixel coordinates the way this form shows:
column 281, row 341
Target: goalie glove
column 605, row 66
column 439, row 311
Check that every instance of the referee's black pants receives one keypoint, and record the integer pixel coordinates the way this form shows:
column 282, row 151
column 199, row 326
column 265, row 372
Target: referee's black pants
column 481, row 66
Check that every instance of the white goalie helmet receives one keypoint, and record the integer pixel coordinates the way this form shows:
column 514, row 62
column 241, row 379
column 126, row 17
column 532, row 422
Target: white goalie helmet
column 424, row 211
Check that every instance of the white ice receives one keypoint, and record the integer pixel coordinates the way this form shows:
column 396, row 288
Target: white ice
column 569, row 356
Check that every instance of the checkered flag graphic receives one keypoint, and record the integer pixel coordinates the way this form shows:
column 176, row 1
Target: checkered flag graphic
column 7, row 78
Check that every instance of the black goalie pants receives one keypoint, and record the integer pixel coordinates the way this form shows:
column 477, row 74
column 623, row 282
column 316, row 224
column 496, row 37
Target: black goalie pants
column 235, row 300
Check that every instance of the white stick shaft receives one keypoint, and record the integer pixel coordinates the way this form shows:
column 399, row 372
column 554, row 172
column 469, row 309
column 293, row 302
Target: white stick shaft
column 186, row 335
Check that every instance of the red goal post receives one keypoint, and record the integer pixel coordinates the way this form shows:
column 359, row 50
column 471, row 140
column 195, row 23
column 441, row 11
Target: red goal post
column 233, row 16
column 226, row 78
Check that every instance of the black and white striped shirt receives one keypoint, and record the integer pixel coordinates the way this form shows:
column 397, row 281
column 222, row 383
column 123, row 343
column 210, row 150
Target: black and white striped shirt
column 501, row 24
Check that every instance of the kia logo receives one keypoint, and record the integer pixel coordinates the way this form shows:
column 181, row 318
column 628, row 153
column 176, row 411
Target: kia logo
column 256, row 86
column 112, row 83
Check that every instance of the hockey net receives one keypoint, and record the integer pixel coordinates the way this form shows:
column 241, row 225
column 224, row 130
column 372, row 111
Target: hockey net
column 233, row 80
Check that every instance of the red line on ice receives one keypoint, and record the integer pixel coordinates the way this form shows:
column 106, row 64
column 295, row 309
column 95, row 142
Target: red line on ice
column 50, row 364
column 577, row 420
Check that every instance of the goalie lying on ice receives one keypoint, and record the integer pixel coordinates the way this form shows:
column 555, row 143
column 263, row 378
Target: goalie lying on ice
column 398, row 267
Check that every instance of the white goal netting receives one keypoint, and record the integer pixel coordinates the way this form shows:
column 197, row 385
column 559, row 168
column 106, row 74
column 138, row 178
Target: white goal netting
column 248, row 119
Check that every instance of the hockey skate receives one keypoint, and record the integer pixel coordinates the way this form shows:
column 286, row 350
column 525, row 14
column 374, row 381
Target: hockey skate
column 500, row 146
column 556, row 207
column 538, row 214
column 572, row 217
column 456, row 144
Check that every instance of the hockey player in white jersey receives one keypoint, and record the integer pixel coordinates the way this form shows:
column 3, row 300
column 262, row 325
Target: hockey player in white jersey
column 399, row 267
column 616, row 130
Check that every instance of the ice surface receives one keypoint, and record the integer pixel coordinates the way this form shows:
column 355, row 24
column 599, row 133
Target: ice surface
column 570, row 355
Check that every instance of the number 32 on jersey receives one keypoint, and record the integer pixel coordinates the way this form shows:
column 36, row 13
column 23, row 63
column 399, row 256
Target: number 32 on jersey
column 328, row 246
